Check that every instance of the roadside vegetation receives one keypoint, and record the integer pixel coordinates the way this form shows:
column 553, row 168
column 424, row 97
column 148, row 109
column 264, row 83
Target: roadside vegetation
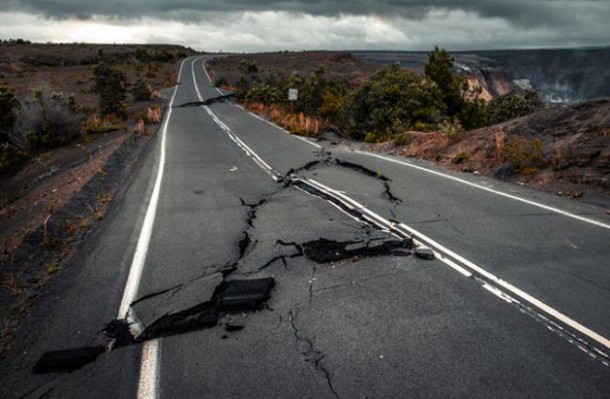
column 54, row 94
column 383, row 107
column 455, row 117
column 74, row 119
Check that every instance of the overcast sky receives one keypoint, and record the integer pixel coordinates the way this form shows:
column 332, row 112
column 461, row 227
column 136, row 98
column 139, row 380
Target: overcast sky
column 270, row 25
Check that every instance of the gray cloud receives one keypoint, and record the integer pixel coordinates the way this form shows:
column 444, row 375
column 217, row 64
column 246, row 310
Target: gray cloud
column 522, row 13
column 255, row 25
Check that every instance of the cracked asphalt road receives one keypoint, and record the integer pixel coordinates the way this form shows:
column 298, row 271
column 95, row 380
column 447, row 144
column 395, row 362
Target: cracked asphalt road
column 351, row 314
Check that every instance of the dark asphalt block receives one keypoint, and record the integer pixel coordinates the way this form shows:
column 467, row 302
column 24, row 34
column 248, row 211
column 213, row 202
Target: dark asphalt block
column 326, row 251
column 67, row 359
column 424, row 253
column 119, row 331
column 230, row 327
column 186, row 296
column 203, row 315
column 243, row 295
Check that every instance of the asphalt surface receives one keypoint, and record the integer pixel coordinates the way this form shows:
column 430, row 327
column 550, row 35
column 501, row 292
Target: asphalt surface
column 237, row 202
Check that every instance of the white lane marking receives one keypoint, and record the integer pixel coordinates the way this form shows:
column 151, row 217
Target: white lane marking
column 199, row 96
column 382, row 222
column 254, row 156
column 256, row 116
column 149, row 370
column 514, row 290
column 491, row 190
column 139, row 257
column 205, row 70
column 258, row 160
column 148, row 386
column 492, row 285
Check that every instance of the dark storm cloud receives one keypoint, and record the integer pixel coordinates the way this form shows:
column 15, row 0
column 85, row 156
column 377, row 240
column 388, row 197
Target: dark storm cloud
column 518, row 12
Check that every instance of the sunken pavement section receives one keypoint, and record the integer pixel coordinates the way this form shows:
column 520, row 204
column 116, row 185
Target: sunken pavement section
column 209, row 300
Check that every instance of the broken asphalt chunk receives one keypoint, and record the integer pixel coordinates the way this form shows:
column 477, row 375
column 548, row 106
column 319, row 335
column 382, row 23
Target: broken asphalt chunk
column 230, row 327
column 67, row 359
column 119, row 331
column 424, row 253
column 326, row 251
column 243, row 295
column 203, row 315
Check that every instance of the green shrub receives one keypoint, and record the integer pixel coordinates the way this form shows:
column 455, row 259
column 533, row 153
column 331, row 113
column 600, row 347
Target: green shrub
column 11, row 158
column 140, row 90
column 524, row 154
column 453, row 130
column 513, row 105
column 47, row 121
column 403, row 139
column 263, row 93
column 111, row 88
column 394, row 100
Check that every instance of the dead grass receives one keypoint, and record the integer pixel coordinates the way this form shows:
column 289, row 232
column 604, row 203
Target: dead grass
column 297, row 123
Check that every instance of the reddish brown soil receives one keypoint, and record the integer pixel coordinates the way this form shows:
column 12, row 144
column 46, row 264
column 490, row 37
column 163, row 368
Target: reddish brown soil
column 47, row 183
column 575, row 157
column 68, row 68
column 57, row 198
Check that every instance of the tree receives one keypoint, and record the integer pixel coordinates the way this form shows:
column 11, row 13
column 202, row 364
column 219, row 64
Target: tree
column 111, row 88
column 393, row 100
column 454, row 91
column 439, row 69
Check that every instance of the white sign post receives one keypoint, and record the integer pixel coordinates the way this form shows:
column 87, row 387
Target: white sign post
column 293, row 95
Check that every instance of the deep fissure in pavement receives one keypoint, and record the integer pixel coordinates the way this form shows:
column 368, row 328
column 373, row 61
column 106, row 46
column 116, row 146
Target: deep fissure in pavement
column 377, row 175
column 312, row 356
column 229, row 296
column 238, row 295
column 209, row 101
column 325, row 250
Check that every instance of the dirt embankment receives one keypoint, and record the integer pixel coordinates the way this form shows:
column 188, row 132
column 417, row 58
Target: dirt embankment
column 55, row 200
column 564, row 150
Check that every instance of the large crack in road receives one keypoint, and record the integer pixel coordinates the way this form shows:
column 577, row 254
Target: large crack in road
column 229, row 294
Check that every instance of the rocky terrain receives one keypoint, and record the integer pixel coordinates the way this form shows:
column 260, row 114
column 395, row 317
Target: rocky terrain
column 563, row 150
column 49, row 205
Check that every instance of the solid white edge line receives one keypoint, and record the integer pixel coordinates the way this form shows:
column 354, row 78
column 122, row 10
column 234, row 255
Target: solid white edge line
column 205, row 70
column 148, row 385
column 514, row 290
column 256, row 116
column 149, row 368
column 139, row 257
column 491, row 190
